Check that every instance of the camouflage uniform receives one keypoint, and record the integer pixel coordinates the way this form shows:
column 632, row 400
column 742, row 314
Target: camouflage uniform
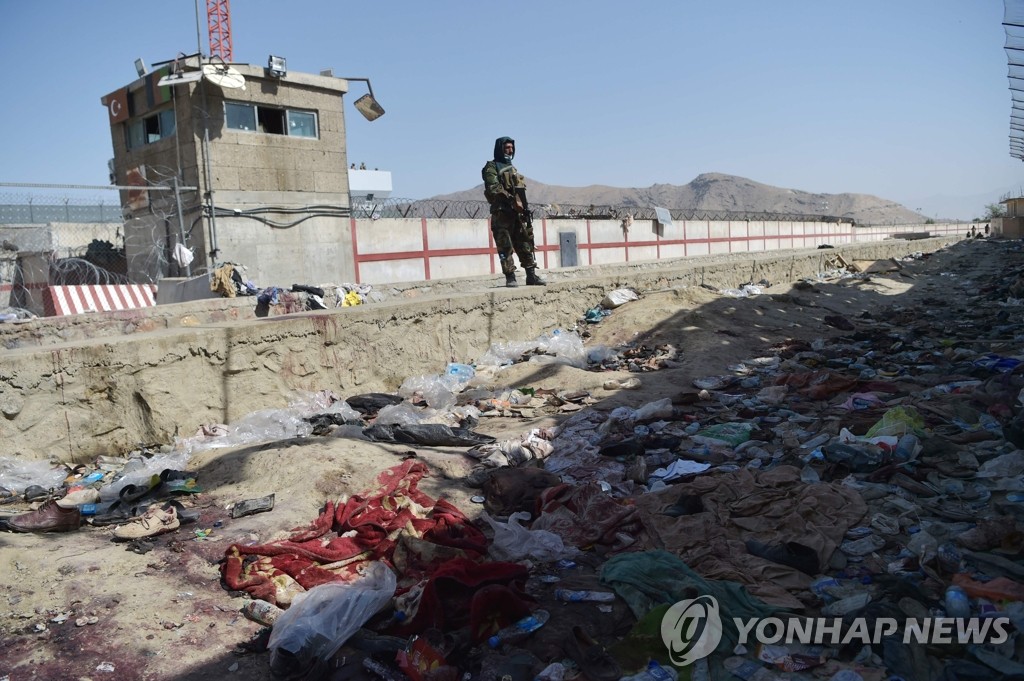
column 503, row 185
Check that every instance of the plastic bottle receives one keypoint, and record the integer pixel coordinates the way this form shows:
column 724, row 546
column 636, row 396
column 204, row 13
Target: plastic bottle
column 659, row 673
column 463, row 371
column 91, row 478
column 816, row 441
column 553, row 672
column 906, row 448
column 701, row 670
column 577, row 596
column 809, row 475
column 957, row 602
column 846, row 605
column 261, row 612
column 520, row 629
column 95, row 509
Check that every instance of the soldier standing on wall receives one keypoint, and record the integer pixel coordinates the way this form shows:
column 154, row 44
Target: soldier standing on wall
column 511, row 222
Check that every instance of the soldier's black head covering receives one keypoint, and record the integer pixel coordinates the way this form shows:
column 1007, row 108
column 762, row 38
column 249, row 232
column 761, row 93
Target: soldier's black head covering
column 499, row 150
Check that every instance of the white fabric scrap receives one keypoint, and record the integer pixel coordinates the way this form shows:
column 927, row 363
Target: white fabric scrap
column 679, row 468
column 183, row 255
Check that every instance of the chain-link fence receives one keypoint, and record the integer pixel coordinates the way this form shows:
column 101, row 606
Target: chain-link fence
column 62, row 238
column 28, row 209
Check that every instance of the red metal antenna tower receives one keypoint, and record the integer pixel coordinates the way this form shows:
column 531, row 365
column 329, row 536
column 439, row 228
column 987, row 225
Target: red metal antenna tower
column 218, row 15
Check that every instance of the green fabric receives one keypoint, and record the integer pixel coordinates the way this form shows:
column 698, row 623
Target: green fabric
column 644, row 643
column 651, row 578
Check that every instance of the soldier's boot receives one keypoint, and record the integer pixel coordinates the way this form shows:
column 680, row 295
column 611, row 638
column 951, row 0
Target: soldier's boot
column 532, row 279
column 510, row 280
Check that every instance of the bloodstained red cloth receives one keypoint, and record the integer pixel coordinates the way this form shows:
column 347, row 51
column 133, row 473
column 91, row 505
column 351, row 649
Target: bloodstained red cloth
column 397, row 523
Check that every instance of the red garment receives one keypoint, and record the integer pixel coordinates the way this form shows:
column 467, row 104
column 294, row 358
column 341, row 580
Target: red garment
column 396, row 514
column 461, row 592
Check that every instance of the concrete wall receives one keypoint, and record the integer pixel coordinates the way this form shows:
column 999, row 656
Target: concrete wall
column 78, row 399
column 410, row 249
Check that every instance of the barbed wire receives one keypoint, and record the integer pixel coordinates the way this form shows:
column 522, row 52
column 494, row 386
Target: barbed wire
column 442, row 208
column 34, row 208
column 80, row 272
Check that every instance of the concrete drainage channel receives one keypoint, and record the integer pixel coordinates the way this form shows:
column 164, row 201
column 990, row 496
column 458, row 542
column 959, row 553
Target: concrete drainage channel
column 107, row 393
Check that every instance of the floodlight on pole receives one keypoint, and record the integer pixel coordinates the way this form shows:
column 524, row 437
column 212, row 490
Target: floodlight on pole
column 367, row 104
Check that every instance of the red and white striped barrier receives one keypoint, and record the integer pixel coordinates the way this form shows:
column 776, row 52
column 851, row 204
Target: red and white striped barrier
column 63, row 300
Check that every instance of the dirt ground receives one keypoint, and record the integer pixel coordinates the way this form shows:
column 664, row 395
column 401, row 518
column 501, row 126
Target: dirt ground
column 165, row 614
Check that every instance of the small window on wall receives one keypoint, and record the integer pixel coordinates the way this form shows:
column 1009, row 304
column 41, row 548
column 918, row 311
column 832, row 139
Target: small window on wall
column 136, row 134
column 301, row 124
column 143, row 131
column 167, row 123
column 240, row 116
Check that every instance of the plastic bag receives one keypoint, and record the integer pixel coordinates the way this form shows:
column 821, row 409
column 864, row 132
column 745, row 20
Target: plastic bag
column 266, row 425
column 730, row 434
column 438, row 391
column 514, row 542
column 898, row 421
column 659, row 409
column 16, row 475
column 566, row 346
column 319, row 621
column 141, row 472
column 619, row 296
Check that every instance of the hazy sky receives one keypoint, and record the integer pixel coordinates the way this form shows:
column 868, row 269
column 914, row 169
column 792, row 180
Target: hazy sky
column 907, row 100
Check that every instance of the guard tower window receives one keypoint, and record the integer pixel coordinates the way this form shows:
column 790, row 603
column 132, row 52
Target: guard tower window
column 142, row 131
column 240, row 116
column 270, row 120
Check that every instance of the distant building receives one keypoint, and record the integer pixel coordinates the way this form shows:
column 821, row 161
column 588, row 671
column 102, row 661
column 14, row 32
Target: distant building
column 266, row 151
column 1012, row 223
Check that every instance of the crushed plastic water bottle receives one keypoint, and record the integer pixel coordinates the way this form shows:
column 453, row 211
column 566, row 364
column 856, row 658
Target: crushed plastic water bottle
column 520, row 629
column 576, row 596
column 957, row 602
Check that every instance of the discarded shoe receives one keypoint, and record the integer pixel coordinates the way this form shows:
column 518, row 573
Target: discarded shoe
column 987, row 534
column 47, row 518
column 912, row 608
column 130, row 493
column 950, row 509
column 625, row 448
column 35, row 493
column 153, row 522
column 911, row 485
column 84, row 495
column 178, row 482
column 185, row 515
column 791, row 554
column 590, row 656
column 885, row 524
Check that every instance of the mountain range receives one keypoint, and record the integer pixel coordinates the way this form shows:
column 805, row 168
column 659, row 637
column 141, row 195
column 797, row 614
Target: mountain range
column 717, row 192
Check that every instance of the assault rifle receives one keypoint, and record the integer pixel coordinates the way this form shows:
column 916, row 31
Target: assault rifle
column 526, row 215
